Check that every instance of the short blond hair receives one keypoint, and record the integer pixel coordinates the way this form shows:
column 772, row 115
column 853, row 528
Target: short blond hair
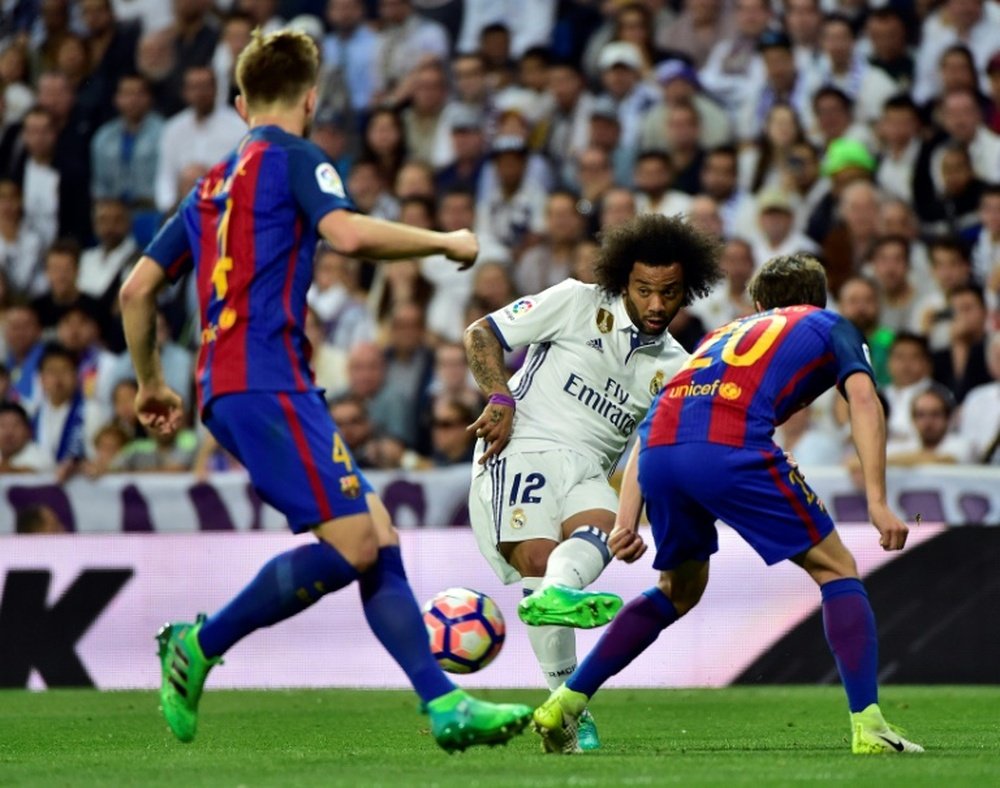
column 277, row 68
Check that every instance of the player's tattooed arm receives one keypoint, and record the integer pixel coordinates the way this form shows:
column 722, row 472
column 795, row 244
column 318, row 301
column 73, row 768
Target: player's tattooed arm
column 485, row 355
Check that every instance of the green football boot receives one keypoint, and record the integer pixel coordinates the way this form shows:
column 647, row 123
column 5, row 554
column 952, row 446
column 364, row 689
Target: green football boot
column 568, row 607
column 185, row 669
column 872, row 735
column 458, row 721
column 557, row 721
column 586, row 733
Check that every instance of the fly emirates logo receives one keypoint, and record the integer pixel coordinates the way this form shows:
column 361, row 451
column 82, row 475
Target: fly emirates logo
column 608, row 404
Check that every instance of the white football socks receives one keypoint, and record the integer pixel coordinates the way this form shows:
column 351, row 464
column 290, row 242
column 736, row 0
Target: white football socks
column 554, row 647
column 578, row 561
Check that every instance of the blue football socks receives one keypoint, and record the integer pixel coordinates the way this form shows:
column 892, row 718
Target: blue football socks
column 395, row 618
column 633, row 630
column 285, row 585
column 850, row 630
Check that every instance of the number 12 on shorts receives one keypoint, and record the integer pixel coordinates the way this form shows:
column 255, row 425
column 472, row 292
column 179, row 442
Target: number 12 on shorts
column 532, row 483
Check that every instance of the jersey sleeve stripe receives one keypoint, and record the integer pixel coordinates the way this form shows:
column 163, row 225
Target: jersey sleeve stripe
column 498, row 333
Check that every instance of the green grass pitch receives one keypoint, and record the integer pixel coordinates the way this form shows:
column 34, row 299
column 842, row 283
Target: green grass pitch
column 747, row 736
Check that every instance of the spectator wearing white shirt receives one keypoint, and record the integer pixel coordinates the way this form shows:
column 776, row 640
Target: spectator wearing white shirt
column 551, row 261
column 979, row 418
column 569, row 130
column 621, row 77
column 197, row 137
column 734, row 65
column 19, row 453
column 237, row 29
column 653, row 180
column 471, row 97
column 899, row 138
column 405, row 40
column 950, row 268
column 343, row 317
column 456, row 210
column 970, row 22
column 962, row 120
column 803, row 21
column 719, row 181
column 350, row 50
column 887, row 47
column 986, row 251
column 102, row 266
column 729, row 299
column 890, row 266
column 783, row 83
column 20, row 246
column 776, row 234
column 931, row 413
column 422, row 117
column 679, row 86
column 910, row 374
column 41, row 182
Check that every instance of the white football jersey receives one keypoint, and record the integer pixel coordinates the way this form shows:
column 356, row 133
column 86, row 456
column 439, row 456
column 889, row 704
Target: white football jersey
column 589, row 376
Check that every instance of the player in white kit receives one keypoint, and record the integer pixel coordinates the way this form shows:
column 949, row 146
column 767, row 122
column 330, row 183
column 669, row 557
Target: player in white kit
column 540, row 503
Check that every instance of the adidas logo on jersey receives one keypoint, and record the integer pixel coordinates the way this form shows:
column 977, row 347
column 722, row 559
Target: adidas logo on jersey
column 596, row 344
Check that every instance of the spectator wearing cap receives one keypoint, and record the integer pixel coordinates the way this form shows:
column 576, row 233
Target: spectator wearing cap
column 468, row 144
column 843, row 66
column 898, row 133
column 696, row 30
column 679, row 85
column 606, row 135
column 653, row 180
column 405, row 40
column 350, row 49
column 572, row 104
column 734, row 65
column 125, row 151
column 511, row 216
column 961, row 366
column 845, row 161
column 993, row 77
column 776, row 234
column 621, row 65
column 970, row 22
column 423, row 115
column 782, row 83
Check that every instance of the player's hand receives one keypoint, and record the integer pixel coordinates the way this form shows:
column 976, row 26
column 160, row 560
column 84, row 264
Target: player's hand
column 792, row 462
column 462, row 247
column 626, row 544
column 892, row 531
column 159, row 409
column 494, row 426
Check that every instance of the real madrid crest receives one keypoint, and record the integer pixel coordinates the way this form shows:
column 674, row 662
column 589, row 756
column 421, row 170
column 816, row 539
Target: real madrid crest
column 518, row 518
column 656, row 383
column 605, row 321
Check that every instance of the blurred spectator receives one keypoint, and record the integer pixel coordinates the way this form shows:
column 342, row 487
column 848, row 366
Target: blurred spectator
column 334, row 297
column 729, row 299
column 621, row 66
column 993, row 75
column 634, row 23
column 986, row 251
column 834, row 115
column 111, row 50
column 237, row 28
column 451, row 441
column 954, row 204
column 733, row 66
column 62, row 413
column 844, row 162
column 399, row 283
column 584, row 260
column 263, row 13
column 719, row 181
column 617, row 207
column 811, row 445
column 109, row 441
column 890, row 266
column 409, row 366
column 192, row 41
column 79, row 332
column 405, row 41
column 62, row 269
column 366, row 380
column 979, row 422
column 471, row 99
column 512, row 215
column 22, row 334
column 451, row 286
column 764, row 163
column 158, row 454
column 55, row 25
column 803, row 21
column 492, row 285
column 950, row 268
column 858, row 302
column 776, row 234
column 596, row 179
column 350, row 50
column 962, row 365
column 384, row 142
column 467, row 152
column 843, row 66
column 525, row 25
column 198, row 136
column 679, row 86
column 39, row 519
column 551, row 261
column 683, row 134
column 328, row 363
column 151, row 15
column 972, row 22
column 696, row 30
column 18, row 452
column 899, row 136
column 781, row 83
column 885, row 29
column 606, row 136
column 125, row 151
column 897, row 217
column 123, row 414
column 846, row 245
column 154, row 60
column 452, row 380
column 368, row 189
column 422, row 116
column 910, row 374
column 415, row 185
column 654, row 179
column 351, row 417
column 704, row 215
column 568, row 132
column 103, row 267
column 14, row 81
column 177, row 361
column 20, row 246
column 931, row 414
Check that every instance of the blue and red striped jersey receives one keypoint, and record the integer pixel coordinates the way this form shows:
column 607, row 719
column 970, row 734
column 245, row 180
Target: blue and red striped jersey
column 248, row 230
column 750, row 375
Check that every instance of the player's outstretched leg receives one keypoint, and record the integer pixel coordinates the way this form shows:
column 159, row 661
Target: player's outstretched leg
column 457, row 719
column 850, row 631
column 637, row 626
column 285, row 585
column 574, row 564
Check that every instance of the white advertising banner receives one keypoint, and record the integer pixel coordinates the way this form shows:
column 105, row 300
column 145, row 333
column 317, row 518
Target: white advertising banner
column 84, row 609
column 169, row 503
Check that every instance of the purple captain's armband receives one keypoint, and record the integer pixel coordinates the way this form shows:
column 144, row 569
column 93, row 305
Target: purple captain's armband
column 502, row 399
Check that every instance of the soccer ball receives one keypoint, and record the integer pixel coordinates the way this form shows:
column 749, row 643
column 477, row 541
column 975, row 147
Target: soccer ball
column 466, row 629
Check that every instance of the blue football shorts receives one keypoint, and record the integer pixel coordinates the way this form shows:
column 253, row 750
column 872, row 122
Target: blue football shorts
column 688, row 486
column 297, row 460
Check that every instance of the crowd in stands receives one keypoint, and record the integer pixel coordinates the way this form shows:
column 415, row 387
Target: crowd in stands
column 867, row 134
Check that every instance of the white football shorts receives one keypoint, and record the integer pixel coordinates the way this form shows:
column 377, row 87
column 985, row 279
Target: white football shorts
column 528, row 496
